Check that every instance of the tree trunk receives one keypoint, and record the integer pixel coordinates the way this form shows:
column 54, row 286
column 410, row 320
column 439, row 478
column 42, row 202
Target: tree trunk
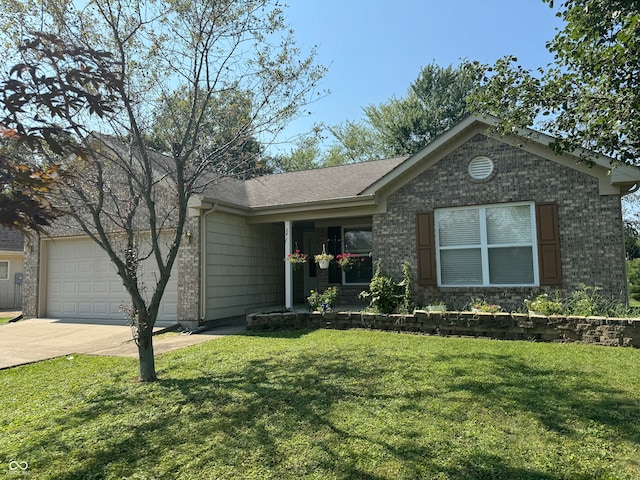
column 145, row 355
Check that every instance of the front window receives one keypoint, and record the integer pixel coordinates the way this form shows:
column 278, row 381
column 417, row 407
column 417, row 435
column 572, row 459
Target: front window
column 4, row 270
column 492, row 245
column 358, row 241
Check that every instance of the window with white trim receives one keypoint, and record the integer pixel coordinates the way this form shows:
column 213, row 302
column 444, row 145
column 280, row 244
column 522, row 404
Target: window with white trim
column 4, row 270
column 358, row 241
column 488, row 245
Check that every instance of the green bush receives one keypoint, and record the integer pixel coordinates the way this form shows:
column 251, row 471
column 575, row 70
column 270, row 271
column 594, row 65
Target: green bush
column 584, row 302
column 633, row 277
column 543, row 305
column 384, row 293
column 407, row 304
column 321, row 302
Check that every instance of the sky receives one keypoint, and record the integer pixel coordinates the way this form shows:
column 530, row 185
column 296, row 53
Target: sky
column 375, row 49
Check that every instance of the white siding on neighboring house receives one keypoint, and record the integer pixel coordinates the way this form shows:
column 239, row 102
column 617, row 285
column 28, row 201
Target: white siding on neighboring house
column 244, row 266
column 81, row 282
column 10, row 291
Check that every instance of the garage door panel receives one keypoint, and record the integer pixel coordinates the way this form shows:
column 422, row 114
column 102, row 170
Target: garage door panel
column 104, row 266
column 69, row 308
column 70, row 267
column 84, row 308
column 100, row 288
column 82, row 282
column 85, row 267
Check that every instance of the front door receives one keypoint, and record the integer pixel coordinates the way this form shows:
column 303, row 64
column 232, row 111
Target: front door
column 310, row 241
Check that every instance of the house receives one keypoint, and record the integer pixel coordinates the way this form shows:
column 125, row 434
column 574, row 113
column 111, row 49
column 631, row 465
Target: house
column 11, row 273
column 474, row 214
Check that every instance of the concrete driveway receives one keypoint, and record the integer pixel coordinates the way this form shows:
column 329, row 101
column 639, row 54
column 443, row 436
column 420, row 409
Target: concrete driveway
column 28, row 341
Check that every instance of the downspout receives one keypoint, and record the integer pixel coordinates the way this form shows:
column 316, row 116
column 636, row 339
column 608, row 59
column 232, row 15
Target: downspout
column 203, row 261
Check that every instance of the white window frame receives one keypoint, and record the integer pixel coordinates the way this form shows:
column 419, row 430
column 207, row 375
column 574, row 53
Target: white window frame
column 7, row 276
column 485, row 247
column 343, row 250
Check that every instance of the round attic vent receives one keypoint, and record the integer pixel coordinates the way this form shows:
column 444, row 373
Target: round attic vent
column 480, row 168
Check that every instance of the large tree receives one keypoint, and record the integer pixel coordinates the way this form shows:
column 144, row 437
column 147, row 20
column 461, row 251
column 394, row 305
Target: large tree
column 434, row 102
column 226, row 132
column 107, row 67
column 589, row 96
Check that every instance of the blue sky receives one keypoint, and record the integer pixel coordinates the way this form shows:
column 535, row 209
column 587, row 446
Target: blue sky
column 374, row 49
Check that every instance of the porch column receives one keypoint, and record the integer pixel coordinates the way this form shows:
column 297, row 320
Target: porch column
column 288, row 269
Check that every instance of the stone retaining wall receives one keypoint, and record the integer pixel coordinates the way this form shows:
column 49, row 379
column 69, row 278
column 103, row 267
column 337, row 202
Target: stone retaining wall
column 505, row 326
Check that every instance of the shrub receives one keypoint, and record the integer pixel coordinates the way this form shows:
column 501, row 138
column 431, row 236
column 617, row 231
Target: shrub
column 584, row 302
column 321, row 302
column 407, row 303
column 633, row 277
column 384, row 293
column 543, row 305
column 588, row 302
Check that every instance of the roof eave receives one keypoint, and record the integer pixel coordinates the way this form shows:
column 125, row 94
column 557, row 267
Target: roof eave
column 354, row 202
column 462, row 129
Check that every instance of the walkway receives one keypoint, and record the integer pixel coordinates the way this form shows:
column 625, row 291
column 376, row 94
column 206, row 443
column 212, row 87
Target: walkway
column 28, row 341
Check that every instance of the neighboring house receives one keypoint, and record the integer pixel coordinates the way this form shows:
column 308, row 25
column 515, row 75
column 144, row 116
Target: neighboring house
column 473, row 213
column 11, row 262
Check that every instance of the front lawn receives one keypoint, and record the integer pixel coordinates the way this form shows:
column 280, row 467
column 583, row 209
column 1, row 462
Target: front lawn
column 330, row 405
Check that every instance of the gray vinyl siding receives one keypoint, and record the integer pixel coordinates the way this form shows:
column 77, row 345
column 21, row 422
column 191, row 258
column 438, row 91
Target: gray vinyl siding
column 10, row 293
column 244, row 266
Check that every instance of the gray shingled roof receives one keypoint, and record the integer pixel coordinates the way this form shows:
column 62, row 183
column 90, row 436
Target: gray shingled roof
column 306, row 186
column 10, row 239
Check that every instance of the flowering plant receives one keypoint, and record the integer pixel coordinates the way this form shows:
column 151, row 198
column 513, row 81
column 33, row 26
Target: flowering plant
column 324, row 256
column 347, row 260
column 321, row 302
column 479, row 305
column 297, row 258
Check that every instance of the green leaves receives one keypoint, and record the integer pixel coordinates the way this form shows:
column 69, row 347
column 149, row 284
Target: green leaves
column 590, row 96
column 434, row 102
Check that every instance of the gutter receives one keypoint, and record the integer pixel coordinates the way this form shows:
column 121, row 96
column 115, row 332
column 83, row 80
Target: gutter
column 258, row 211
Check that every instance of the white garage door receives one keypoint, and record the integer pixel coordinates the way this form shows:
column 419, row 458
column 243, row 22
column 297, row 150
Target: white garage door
column 82, row 283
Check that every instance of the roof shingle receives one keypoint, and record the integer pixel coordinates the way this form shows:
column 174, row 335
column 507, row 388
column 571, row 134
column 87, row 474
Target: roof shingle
column 11, row 240
column 306, row 186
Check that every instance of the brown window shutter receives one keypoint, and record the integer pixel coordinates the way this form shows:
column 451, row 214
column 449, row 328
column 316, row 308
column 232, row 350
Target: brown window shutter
column 426, row 250
column 548, row 244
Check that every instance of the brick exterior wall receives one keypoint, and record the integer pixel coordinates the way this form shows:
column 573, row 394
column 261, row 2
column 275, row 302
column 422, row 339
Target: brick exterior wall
column 592, row 249
column 30, row 285
column 189, row 272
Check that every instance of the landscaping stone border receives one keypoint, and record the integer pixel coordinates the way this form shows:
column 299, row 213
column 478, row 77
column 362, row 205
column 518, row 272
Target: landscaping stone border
column 624, row 332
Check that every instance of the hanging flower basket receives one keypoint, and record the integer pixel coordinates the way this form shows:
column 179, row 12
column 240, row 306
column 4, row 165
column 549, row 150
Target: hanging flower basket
column 323, row 259
column 297, row 259
column 346, row 261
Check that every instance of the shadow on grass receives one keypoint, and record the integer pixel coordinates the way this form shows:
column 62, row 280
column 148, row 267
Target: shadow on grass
column 274, row 417
column 559, row 399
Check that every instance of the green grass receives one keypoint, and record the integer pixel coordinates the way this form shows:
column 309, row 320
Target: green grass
column 330, row 405
column 4, row 320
